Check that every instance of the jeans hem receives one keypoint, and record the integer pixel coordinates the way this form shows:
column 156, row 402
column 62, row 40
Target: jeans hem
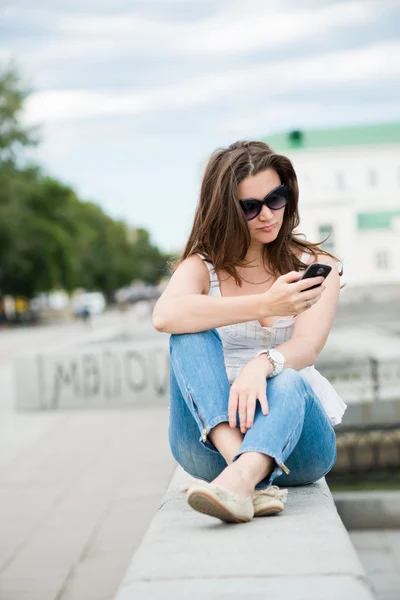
column 216, row 421
column 262, row 450
column 277, row 470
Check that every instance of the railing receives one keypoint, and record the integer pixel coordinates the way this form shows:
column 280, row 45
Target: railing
column 363, row 380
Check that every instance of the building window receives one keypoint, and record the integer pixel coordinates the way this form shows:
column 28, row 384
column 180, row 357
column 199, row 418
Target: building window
column 372, row 177
column 324, row 231
column 382, row 259
column 340, row 179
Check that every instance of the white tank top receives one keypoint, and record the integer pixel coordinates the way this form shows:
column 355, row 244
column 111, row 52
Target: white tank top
column 242, row 341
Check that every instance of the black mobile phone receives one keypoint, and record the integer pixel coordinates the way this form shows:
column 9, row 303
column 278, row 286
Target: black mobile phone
column 315, row 270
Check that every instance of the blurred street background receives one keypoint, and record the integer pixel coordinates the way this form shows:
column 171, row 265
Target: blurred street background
column 108, row 114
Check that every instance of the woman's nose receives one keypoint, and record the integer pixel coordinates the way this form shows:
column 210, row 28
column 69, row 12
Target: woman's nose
column 266, row 212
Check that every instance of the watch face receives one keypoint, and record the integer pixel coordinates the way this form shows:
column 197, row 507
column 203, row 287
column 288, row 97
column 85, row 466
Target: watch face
column 276, row 356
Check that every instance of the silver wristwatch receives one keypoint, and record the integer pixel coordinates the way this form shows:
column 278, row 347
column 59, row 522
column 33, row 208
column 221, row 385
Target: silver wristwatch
column 276, row 359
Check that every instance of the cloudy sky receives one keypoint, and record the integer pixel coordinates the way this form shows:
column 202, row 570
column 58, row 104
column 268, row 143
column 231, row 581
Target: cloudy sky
column 132, row 96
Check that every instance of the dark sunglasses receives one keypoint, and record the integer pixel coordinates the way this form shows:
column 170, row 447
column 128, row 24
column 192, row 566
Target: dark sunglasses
column 276, row 199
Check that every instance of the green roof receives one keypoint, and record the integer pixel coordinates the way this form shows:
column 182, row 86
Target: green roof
column 376, row 220
column 383, row 133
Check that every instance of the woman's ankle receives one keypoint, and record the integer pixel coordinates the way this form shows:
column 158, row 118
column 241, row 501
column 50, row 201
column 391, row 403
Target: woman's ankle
column 235, row 480
column 255, row 466
column 226, row 440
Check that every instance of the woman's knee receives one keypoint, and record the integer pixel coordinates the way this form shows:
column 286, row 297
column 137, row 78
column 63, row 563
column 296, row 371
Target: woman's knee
column 186, row 341
column 287, row 391
column 289, row 378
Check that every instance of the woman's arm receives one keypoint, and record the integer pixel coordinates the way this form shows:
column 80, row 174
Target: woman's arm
column 185, row 307
column 313, row 326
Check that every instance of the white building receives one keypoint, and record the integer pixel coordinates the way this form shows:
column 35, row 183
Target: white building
column 349, row 180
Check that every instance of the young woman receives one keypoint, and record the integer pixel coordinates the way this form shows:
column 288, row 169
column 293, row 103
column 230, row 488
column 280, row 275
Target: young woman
column 247, row 407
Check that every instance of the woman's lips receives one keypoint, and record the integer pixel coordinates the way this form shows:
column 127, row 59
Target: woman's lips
column 267, row 227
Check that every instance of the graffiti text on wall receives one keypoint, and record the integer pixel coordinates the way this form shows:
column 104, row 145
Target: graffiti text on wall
column 110, row 375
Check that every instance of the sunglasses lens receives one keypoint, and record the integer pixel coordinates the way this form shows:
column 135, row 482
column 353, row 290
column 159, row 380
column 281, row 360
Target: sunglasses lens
column 277, row 200
column 251, row 209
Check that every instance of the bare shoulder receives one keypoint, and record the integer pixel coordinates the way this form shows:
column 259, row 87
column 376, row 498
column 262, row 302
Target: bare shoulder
column 195, row 265
column 190, row 277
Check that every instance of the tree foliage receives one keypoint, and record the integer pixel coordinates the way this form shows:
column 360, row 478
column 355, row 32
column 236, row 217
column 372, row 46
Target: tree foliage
column 49, row 237
column 13, row 134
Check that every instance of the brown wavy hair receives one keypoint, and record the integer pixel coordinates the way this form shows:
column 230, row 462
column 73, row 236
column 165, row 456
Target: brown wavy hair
column 220, row 231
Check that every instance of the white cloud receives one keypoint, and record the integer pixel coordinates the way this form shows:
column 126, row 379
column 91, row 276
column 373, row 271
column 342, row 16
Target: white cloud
column 236, row 30
column 263, row 30
column 373, row 64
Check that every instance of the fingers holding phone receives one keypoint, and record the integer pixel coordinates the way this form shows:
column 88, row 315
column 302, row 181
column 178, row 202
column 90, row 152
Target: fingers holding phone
column 293, row 293
column 311, row 284
column 314, row 270
column 311, row 295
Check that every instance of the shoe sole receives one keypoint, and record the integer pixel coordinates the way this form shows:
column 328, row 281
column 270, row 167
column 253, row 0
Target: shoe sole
column 208, row 505
column 269, row 510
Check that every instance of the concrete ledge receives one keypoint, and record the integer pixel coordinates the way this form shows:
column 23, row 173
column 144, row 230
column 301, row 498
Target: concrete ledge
column 305, row 553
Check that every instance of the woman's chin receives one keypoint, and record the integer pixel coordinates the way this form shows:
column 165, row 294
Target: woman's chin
column 267, row 236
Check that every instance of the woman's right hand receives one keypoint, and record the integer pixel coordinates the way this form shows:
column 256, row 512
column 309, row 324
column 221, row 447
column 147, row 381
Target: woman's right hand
column 286, row 298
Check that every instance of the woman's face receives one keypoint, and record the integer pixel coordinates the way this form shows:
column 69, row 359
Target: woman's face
column 265, row 227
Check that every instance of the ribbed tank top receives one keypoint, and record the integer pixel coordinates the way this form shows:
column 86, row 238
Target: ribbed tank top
column 242, row 341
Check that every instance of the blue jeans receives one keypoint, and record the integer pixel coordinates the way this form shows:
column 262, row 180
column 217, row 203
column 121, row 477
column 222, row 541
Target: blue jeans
column 297, row 432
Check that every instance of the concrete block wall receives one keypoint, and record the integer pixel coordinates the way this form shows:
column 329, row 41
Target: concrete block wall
column 97, row 376
column 304, row 553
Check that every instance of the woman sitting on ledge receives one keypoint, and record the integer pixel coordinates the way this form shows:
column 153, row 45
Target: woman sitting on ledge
column 247, row 406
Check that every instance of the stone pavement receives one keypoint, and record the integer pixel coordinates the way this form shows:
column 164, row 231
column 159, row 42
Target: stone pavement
column 78, row 489
column 75, row 503
column 379, row 552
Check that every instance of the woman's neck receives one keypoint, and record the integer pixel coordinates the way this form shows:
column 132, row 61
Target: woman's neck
column 255, row 255
column 255, row 263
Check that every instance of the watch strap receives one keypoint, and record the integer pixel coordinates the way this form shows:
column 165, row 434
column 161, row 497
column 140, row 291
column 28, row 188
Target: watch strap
column 277, row 367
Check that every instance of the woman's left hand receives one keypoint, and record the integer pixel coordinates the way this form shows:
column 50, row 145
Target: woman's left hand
column 248, row 387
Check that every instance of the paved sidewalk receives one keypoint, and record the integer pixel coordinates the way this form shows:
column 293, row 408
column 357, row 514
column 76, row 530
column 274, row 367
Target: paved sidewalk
column 75, row 503
column 379, row 552
column 78, row 489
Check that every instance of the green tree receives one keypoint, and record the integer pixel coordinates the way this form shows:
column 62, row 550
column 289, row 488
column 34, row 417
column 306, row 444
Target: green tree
column 13, row 135
column 36, row 247
column 150, row 261
column 50, row 238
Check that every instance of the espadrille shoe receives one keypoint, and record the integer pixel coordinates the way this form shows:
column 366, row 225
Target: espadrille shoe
column 269, row 501
column 214, row 500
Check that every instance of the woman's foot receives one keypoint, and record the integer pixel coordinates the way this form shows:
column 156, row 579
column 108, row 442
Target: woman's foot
column 233, row 478
column 216, row 501
column 229, row 496
column 269, row 501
